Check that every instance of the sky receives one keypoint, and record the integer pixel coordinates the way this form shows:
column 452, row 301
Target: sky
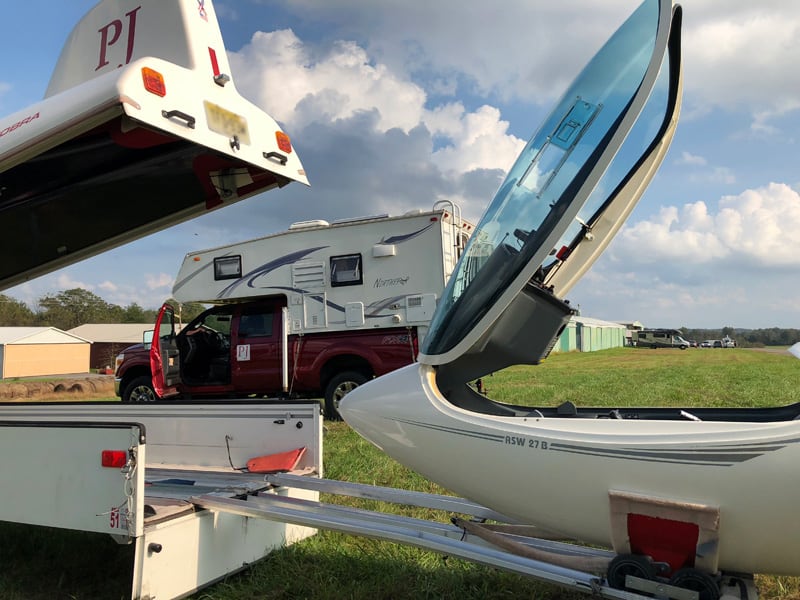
column 393, row 105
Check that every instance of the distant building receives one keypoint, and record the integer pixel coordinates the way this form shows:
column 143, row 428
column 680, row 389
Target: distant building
column 41, row 351
column 585, row 334
column 109, row 339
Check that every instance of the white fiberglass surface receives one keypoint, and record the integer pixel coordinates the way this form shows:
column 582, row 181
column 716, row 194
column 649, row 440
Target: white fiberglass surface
column 534, row 203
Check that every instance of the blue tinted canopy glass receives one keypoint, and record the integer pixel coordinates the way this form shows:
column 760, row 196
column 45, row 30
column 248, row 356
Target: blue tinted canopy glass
column 546, row 194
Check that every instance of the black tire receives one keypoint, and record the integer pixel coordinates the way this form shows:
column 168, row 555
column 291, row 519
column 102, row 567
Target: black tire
column 698, row 581
column 629, row 564
column 338, row 387
column 140, row 389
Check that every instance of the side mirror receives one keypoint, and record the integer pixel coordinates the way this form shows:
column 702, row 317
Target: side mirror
column 147, row 338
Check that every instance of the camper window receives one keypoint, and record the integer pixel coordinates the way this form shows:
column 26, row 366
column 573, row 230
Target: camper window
column 227, row 267
column 346, row 270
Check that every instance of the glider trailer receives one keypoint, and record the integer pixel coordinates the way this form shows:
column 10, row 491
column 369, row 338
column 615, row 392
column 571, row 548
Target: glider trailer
column 142, row 112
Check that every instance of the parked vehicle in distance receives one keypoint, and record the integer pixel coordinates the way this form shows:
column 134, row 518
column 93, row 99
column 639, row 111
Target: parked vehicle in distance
column 707, row 344
column 659, row 338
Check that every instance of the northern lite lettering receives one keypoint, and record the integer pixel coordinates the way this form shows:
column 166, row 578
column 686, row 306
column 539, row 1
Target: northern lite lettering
column 112, row 32
column 18, row 124
column 380, row 282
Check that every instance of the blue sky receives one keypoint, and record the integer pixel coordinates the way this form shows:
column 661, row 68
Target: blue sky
column 393, row 105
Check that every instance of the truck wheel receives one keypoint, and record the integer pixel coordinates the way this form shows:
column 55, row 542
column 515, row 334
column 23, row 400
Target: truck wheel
column 338, row 388
column 140, row 389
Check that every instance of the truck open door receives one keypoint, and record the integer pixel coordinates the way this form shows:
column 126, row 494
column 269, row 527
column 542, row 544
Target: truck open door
column 164, row 355
column 141, row 127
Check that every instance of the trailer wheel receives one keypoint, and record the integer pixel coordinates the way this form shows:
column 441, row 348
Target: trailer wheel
column 338, row 387
column 698, row 581
column 140, row 389
column 629, row 564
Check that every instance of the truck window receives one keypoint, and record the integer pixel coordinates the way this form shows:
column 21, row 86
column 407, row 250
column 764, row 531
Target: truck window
column 256, row 324
column 218, row 323
column 346, row 270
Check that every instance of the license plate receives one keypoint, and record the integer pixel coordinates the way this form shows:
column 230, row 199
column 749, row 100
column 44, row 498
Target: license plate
column 226, row 122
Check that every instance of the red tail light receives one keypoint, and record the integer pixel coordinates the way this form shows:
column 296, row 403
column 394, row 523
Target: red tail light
column 114, row 458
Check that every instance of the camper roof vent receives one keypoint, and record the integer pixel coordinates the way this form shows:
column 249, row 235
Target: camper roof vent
column 412, row 212
column 359, row 219
column 308, row 224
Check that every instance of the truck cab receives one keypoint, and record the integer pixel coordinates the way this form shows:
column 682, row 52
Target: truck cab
column 244, row 349
column 228, row 349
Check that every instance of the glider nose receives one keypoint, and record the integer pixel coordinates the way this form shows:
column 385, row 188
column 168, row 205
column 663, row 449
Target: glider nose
column 375, row 408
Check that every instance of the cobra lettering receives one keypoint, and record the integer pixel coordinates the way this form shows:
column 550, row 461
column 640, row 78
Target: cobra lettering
column 18, row 124
column 110, row 34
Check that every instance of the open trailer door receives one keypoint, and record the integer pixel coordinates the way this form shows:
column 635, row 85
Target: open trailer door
column 165, row 364
column 141, row 127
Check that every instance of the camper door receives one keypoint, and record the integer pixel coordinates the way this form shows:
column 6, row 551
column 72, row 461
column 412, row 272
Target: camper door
column 164, row 354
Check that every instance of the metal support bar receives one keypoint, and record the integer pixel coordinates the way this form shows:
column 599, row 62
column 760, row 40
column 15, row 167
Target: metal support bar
column 403, row 530
column 386, row 494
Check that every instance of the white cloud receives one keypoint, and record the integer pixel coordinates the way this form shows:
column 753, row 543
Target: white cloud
column 161, row 281
column 296, row 87
column 301, row 86
column 65, row 281
column 737, row 55
column 759, row 226
column 687, row 158
column 521, row 49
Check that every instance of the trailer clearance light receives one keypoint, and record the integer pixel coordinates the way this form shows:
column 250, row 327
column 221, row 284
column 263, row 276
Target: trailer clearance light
column 154, row 82
column 114, row 458
column 284, row 143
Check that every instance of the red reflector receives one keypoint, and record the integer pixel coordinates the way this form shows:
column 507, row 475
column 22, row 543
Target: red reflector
column 563, row 253
column 114, row 458
column 284, row 143
column 212, row 54
column 434, row 219
column 664, row 540
column 154, row 82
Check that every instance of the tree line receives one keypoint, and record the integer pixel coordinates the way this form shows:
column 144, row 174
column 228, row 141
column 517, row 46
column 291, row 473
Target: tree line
column 78, row 306
column 746, row 338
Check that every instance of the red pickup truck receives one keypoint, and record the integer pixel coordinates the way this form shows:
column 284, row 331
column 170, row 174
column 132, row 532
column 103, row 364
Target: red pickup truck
column 237, row 350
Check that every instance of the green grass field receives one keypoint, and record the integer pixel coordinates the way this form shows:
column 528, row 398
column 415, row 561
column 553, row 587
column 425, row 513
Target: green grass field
column 38, row 563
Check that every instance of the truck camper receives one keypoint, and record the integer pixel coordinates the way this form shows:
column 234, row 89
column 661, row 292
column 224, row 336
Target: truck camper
column 141, row 127
column 312, row 311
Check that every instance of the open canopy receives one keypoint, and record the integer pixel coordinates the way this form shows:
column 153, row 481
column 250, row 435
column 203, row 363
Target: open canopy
column 555, row 212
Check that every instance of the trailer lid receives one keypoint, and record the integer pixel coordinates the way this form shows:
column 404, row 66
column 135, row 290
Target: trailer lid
column 142, row 127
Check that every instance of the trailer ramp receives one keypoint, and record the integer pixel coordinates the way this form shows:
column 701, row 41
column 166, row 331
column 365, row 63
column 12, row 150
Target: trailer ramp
column 462, row 539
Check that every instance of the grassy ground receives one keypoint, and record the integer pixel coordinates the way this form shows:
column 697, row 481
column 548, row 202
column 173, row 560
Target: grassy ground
column 37, row 563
